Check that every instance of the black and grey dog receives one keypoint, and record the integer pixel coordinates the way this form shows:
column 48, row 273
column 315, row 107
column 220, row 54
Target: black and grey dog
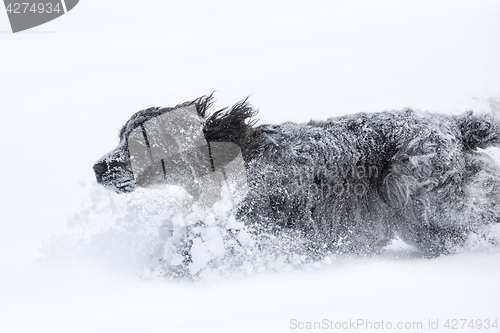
column 351, row 184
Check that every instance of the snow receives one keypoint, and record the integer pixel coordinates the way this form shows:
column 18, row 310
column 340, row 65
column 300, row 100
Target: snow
column 67, row 86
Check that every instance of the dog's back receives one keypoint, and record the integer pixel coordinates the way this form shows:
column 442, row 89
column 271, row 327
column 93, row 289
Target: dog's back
column 349, row 184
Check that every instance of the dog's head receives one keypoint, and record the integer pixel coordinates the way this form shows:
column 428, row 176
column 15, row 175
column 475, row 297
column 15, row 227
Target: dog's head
column 116, row 169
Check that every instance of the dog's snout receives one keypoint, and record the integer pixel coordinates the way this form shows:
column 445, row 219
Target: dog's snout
column 100, row 168
column 103, row 167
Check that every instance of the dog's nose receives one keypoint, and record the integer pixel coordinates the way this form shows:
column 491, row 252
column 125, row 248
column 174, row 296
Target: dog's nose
column 100, row 169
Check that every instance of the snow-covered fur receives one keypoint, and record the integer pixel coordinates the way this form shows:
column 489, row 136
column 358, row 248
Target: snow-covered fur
column 351, row 184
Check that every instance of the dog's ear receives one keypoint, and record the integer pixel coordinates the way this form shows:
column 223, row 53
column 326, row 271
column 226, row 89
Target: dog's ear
column 202, row 104
column 233, row 125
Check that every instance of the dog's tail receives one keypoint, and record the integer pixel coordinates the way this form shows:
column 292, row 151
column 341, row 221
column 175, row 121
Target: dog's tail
column 481, row 130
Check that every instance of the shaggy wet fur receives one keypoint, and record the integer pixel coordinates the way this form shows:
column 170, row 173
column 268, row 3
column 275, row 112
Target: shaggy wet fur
column 351, row 184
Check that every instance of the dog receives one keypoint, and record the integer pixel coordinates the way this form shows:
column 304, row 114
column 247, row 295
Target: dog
column 350, row 184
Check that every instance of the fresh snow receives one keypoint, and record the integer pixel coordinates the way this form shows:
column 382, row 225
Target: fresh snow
column 75, row 257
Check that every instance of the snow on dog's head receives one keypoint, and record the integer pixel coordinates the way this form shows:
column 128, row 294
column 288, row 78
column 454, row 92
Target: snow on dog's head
column 172, row 131
column 162, row 147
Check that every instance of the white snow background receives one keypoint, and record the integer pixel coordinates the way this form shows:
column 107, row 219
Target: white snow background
column 67, row 87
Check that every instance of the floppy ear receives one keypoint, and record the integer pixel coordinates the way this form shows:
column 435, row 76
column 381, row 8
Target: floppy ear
column 202, row 104
column 233, row 125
